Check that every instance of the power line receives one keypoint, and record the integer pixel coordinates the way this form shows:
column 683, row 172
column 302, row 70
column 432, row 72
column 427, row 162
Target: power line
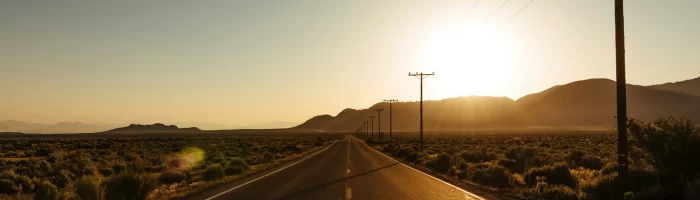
column 473, row 5
column 516, row 14
column 499, row 8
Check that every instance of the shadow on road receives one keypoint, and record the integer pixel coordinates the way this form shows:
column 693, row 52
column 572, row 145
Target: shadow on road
column 294, row 194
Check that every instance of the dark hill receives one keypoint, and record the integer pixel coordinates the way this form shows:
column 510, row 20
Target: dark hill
column 316, row 123
column 691, row 86
column 590, row 103
column 158, row 127
column 593, row 102
column 447, row 114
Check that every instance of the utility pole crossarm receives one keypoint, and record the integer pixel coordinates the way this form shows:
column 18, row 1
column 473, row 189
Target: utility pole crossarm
column 421, row 75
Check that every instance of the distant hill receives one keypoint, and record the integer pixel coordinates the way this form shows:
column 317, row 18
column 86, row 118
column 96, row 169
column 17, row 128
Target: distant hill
column 11, row 134
column 158, row 127
column 586, row 103
column 593, row 103
column 61, row 127
column 691, row 86
column 316, row 123
column 449, row 114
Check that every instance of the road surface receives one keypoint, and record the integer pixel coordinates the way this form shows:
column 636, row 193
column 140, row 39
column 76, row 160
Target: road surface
column 347, row 169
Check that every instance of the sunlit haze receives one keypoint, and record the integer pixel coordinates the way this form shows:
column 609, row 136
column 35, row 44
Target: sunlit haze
column 251, row 62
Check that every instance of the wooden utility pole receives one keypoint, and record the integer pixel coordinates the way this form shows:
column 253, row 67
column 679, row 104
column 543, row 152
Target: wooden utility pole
column 372, row 138
column 621, row 90
column 421, row 76
column 391, row 121
column 379, row 123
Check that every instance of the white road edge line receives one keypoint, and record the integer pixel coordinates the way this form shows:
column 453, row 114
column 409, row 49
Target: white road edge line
column 246, row 183
column 472, row 194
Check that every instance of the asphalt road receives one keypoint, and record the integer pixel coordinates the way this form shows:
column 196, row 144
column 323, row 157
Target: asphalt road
column 347, row 169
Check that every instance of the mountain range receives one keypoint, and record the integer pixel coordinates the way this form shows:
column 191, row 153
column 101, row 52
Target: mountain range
column 585, row 103
column 61, row 127
column 13, row 126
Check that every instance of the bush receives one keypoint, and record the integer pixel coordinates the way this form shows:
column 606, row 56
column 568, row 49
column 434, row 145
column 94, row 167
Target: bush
column 46, row 191
column 389, row 148
column 43, row 152
column 236, row 161
column 268, row 157
column 489, row 174
column 414, row 156
column 477, row 156
column 523, row 157
column 461, row 164
column 63, row 178
column 106, row 172
column 171, row 176
column 592, row 162
column 651, row 193
column 609, row 168
column 403, row 152
column 91, row 170
column 552, row 192
column 177, row 163
column 672, row 144
column 693, row 191
column 89, row 188
column 558, row 174
column 9, row 187
column 67, row 194
column 640, row 179
column 602, row 187
column 26, row 183
column 442, row 163
column 128, row 186
column 214, row 173
column 580, row 158
column 217, row 159
column 118, row 168
column 509, row 164
column 230, row 171
column 236, row 166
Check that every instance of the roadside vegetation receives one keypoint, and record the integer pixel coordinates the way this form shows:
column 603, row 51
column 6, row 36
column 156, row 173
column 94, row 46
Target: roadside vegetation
column 137, row 167
column 663, row 159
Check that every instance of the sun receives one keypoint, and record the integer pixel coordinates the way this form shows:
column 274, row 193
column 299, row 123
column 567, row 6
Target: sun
column 471, row 59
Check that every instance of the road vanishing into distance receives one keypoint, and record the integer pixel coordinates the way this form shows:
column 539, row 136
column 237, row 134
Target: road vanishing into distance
column 347, row 169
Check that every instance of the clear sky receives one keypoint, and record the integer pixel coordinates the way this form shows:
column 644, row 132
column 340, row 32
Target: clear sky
column 248, row 62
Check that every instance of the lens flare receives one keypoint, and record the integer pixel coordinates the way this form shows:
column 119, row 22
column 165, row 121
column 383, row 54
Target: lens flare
column 187, row 158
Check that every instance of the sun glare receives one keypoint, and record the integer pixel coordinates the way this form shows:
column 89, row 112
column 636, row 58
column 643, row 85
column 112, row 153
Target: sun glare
column 471, row 59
